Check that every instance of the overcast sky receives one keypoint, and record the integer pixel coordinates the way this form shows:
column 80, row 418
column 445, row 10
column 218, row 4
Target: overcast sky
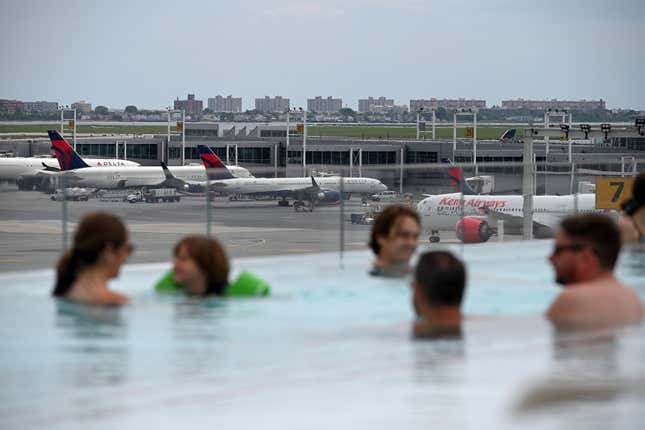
column 147, row 53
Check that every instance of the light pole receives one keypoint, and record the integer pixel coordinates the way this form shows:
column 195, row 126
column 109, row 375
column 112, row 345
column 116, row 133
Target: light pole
column 286, row 152
column 62, row 122
column 164, row 150
column 434, row 120
column 304, row 145
column 465, row 112
column 418, row 118
column 183, row 136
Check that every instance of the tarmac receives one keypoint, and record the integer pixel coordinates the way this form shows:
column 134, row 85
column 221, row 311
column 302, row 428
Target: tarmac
column 31, row 227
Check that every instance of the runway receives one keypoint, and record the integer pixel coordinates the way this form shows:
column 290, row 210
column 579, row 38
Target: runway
column 31, row 227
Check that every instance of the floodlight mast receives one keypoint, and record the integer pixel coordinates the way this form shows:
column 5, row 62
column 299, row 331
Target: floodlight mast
column 465, row 112
column 62, row 110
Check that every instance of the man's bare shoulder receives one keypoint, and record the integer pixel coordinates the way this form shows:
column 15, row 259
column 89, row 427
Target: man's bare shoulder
column 596, row 303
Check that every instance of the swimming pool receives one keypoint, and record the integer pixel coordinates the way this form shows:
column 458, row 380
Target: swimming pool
column 330, row 348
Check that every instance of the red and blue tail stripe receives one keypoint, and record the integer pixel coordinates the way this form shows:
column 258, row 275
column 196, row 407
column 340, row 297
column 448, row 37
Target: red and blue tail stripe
column 68, row 159
column 215, row 169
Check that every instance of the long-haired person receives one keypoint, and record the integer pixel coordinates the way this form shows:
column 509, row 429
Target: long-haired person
column 99, row 250
column 201, row 268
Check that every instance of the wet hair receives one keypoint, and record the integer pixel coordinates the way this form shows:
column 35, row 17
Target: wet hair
column 94, row 233
column 209, row 255
column 597, row 231
column 441, row 277
column 638, row 191
column 386, row 220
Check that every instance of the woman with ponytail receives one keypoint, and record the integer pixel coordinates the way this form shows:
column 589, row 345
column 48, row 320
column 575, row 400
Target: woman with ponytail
column 99, row 250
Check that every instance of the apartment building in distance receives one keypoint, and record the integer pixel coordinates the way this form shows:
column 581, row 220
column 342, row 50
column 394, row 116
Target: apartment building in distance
column 272, row 104
column 190, row 105
column 11, row 106
column 448, row 104
column 321, row 105
column 579, row 105
column 82, row 106
column 40, row 107
column 374, row 105
column 225, row 104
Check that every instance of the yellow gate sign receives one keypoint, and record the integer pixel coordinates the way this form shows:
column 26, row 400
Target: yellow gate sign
column 300, row 128
column 179, row 126
column 611, row 192
column 469, row 132
column 70, row 123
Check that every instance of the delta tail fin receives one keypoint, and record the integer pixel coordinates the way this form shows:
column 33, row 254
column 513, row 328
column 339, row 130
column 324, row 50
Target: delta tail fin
column 215, row 169
column 68, row 159
column 457, row 180
column 508, row 136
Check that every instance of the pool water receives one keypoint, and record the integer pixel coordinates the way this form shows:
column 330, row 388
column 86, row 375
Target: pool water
column 330, row 348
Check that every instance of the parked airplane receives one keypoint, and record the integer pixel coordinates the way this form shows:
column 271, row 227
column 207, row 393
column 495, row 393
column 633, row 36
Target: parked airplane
column 78, row 173
column 325, row 189
column 28, row 173
column 474, row 217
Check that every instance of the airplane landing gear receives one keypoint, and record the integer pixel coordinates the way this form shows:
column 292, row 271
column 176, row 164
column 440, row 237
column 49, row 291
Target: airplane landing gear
column 301, row 206
column 284, row 203
column 434, row 237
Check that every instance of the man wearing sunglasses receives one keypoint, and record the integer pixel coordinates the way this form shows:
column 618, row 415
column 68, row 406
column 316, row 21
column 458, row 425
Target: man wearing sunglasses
column 585, row 252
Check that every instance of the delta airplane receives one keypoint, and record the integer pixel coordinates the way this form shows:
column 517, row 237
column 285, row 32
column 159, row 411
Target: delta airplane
column 27, row 172
column 474, row 217
column 316, row 190
column 80, row 174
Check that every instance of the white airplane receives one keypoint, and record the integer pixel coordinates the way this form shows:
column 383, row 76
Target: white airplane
column 316, row 190
column 78, row 173
column 474, row 217
column 27, row 172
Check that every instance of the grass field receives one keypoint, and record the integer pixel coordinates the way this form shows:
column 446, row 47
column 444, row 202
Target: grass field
column 385, row 132
column 355, row 131
column 96, row 129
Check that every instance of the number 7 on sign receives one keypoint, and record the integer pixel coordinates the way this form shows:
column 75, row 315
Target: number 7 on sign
column 620, row 185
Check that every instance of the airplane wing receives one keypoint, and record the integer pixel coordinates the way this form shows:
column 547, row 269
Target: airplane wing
column 515, row 223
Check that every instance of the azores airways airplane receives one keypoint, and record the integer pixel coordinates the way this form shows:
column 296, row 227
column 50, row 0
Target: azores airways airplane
column 78, row 173
column 474, row 217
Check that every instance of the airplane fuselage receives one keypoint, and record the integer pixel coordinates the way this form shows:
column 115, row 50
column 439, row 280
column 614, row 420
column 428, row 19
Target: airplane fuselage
column 16, row 167
column 280, row 185
column 125, row 177
column 442, row 212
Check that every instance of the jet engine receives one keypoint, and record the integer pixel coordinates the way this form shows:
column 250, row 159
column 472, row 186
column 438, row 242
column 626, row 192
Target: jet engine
column 473, row 230
column 327, row 196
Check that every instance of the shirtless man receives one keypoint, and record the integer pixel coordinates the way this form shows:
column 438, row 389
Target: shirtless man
column 439, row 285
column 584, row 255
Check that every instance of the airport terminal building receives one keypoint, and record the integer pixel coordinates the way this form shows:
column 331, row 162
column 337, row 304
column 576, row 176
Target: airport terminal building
column 263, row 149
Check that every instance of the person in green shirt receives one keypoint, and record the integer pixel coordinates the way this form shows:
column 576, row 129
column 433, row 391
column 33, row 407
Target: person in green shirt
column 201, row 268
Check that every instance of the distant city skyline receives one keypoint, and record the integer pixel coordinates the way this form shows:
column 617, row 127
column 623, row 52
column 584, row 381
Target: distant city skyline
column 411, row 49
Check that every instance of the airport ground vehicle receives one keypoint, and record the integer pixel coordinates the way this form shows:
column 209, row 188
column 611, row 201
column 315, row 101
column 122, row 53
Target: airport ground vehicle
column 384, row 196
column 155, row 195
column 74, row 194
column 113, row 195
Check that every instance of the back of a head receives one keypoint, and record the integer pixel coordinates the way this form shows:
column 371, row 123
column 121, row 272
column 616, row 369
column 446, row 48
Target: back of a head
column 386, row 220
column 94, row 233
column 211, row 258
column 638, row 192
column 598, row 231
column 441, row 277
